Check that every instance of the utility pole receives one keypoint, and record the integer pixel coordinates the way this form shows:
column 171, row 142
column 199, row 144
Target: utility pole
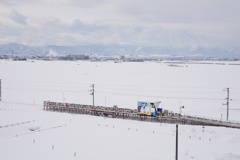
column 176, row 141
column 180, row 107
column 0, row 90
column 92, row 92
column 227, row 102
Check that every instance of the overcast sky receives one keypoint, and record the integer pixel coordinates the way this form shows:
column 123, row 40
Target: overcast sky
column 178, row 23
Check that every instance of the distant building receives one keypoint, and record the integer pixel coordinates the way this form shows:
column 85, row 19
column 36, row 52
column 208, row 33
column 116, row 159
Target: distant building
column 74, row 57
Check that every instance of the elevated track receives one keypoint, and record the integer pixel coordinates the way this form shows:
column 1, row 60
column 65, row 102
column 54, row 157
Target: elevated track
column 132, row 114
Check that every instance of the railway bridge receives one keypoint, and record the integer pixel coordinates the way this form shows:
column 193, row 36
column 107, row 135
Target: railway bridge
column 132, row 114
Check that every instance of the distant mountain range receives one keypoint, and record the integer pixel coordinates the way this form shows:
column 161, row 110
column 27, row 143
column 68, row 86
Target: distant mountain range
column 115, row 50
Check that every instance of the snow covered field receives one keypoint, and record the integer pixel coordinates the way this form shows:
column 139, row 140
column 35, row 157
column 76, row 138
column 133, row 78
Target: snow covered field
column 199, row 87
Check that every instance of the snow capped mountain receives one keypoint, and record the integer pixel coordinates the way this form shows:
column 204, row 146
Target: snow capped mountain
column 111, row 50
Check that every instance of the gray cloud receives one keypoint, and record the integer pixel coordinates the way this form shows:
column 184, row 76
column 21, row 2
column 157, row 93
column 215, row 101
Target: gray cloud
column 54, row 31
column 18, row 18
column 15, row 2
column 184, row 11
column 135, row 22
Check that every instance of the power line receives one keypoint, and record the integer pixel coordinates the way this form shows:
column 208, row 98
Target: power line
column 43, row 90
column 155, row 90
column 235, row 93
column 235, row 100
column 67, row 89
column 43, row 85
column 161, row 96
column 74, row 84
column 82, row 87
column 141, row 86
column 43, row 82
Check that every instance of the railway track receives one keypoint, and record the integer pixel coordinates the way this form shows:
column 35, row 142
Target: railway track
column 133, row 115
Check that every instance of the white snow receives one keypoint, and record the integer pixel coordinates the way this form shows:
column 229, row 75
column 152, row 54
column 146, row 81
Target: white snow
column 199, row 87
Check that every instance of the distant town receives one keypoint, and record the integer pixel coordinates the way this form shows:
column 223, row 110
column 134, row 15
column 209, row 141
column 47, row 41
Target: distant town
column 116, row 59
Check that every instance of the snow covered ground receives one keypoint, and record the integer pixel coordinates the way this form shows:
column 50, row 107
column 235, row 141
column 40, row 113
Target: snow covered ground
column 199, row 87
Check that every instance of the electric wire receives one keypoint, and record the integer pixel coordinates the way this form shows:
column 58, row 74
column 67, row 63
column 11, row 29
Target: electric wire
column 78, row 87
column 126, row 94
column 162, row 91
column 44, row 90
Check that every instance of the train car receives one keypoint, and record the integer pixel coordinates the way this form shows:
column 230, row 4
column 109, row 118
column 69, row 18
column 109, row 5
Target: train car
column 149, row 108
